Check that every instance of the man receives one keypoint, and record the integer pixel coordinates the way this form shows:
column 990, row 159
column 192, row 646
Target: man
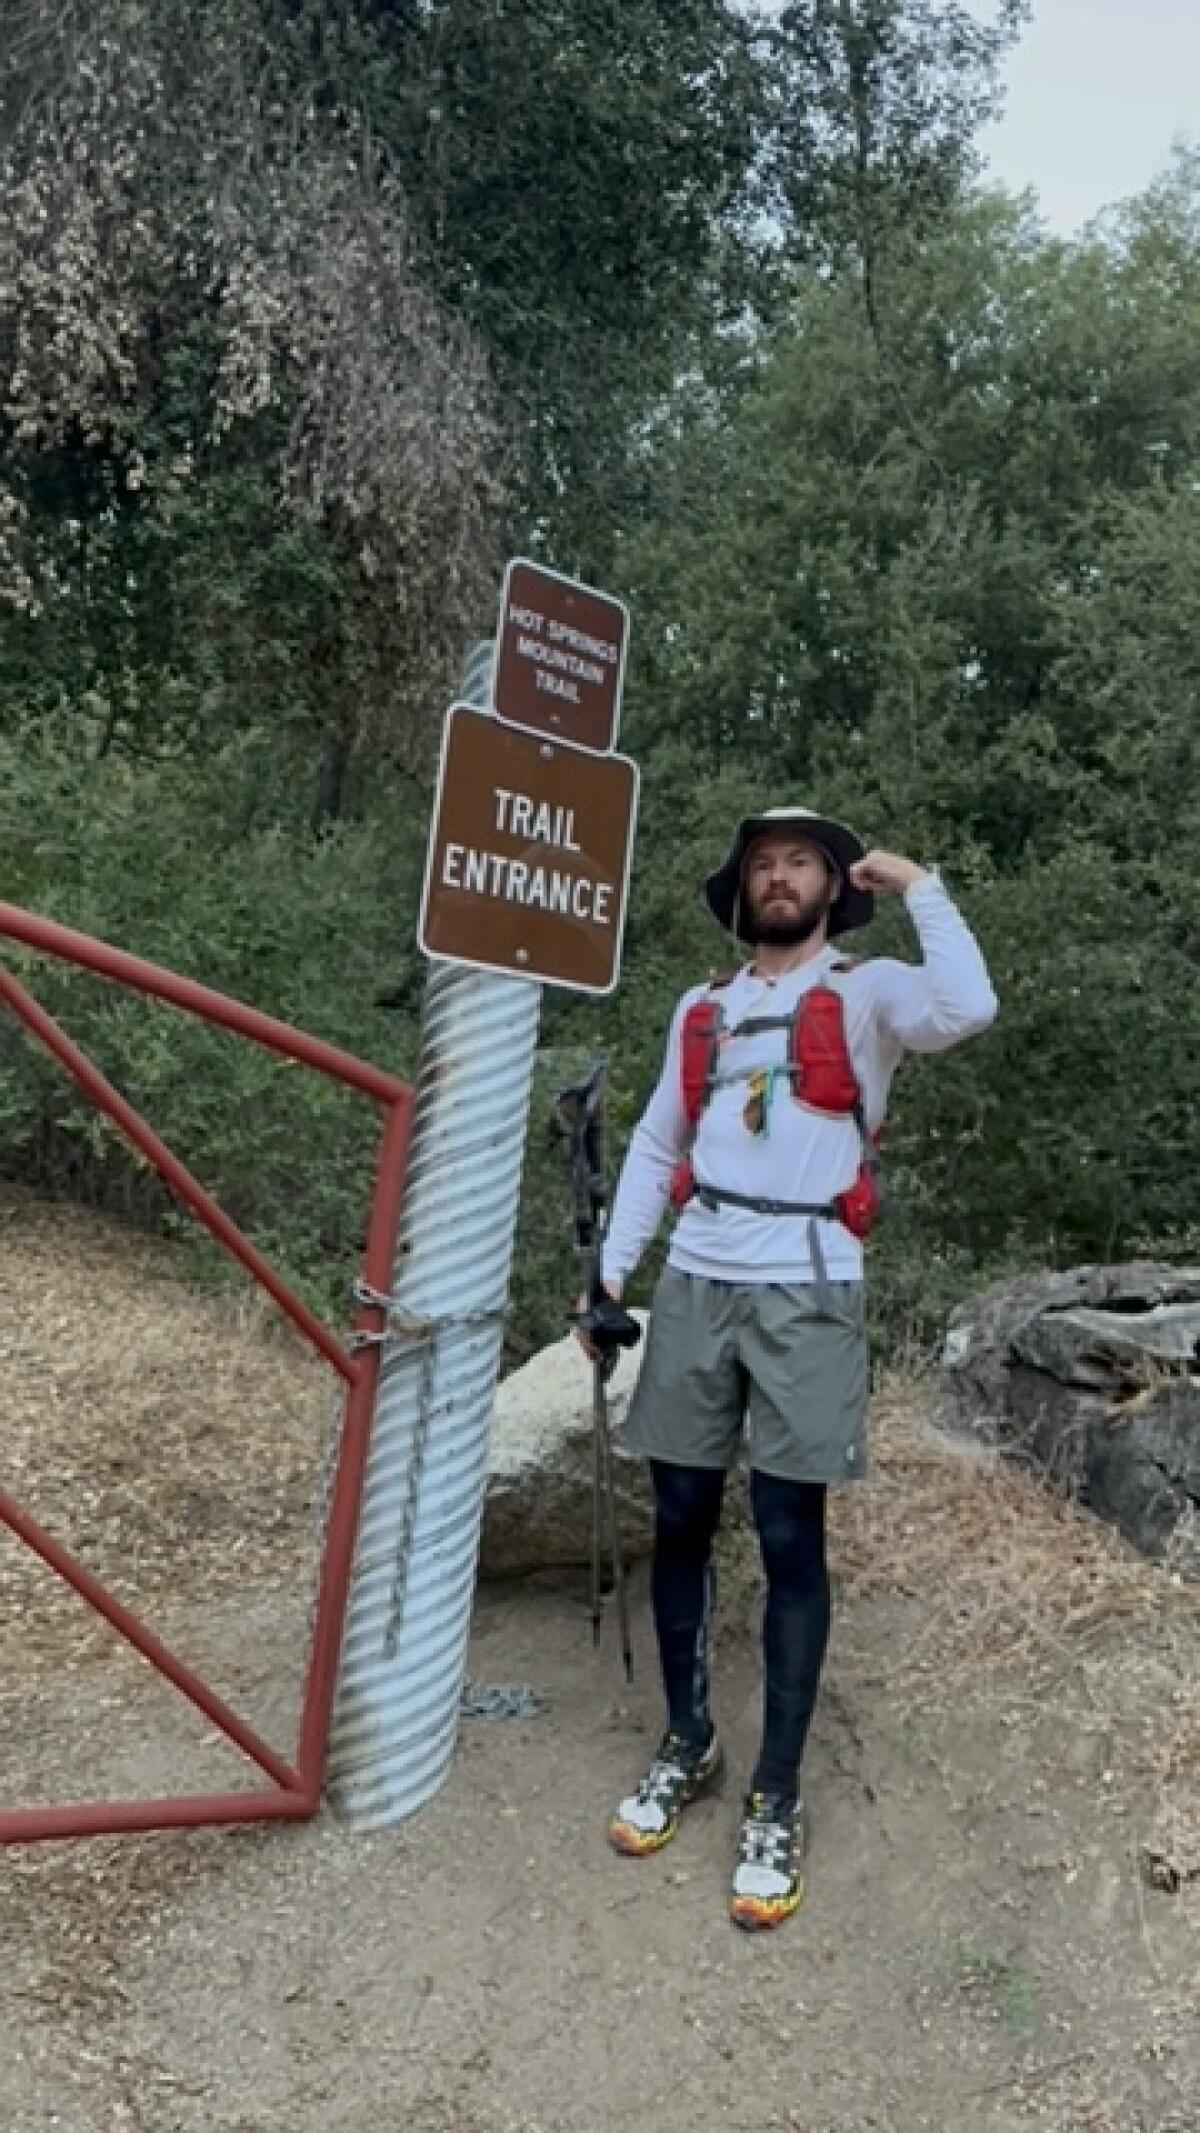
column 763, row 1127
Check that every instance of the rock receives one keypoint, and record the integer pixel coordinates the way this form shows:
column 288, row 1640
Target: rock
column 1092, row 1376
column 1170, row 1855
column 538, row 1508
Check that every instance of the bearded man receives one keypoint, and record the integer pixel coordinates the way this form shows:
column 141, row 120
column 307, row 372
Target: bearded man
column 762, row 1132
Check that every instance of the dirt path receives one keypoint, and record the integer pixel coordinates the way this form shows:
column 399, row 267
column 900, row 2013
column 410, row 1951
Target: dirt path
column 981, row 1951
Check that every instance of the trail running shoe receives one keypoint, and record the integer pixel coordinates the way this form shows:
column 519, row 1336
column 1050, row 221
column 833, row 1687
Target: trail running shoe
column 648, row 1818
column 768, row 1880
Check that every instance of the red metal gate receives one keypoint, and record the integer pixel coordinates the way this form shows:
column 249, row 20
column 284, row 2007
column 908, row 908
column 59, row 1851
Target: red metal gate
column 295, row 1790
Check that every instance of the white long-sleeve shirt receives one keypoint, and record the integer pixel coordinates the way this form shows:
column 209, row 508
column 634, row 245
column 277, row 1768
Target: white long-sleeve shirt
column 890, row 1008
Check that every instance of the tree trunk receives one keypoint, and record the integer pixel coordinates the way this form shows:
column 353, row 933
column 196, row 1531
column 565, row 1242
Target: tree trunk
column 337, row 750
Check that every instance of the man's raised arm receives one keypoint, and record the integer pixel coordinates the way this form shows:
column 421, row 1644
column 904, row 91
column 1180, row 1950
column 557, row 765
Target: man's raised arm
column 948, row 996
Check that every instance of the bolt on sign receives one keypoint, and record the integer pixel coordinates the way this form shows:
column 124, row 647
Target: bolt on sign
column 528, row 865
column 560, row 656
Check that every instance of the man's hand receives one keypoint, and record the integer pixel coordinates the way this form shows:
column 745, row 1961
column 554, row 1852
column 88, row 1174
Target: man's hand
column 887, row 873
column 612, row 1289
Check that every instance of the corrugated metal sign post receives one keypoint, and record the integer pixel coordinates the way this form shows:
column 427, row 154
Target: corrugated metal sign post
column 409, row 1616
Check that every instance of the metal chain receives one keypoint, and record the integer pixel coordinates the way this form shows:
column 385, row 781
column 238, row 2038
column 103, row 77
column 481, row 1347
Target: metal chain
column 494, row 1701
column 402, row 1330
column 412, row 1489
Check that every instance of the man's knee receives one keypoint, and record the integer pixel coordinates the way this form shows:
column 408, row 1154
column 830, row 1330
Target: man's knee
column 790, row 1518
column 687, row 1508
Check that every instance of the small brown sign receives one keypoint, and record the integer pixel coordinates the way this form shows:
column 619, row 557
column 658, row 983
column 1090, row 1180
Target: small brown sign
column 560, row 656
column 529, row 853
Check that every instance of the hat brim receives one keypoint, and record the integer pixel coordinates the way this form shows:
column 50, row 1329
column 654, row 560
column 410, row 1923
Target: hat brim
column 852, row 907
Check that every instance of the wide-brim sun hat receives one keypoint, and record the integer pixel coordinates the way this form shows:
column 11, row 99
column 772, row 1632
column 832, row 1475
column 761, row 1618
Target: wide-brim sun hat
column 851, row 908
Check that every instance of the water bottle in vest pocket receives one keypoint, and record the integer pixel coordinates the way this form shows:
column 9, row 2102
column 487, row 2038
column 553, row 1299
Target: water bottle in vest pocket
column 858, row 1206
column 823, row 1077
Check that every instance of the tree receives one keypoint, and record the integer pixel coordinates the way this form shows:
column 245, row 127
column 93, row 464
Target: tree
column 250, row 464
column 880, row 103
column 581, row 175
column 968, row 624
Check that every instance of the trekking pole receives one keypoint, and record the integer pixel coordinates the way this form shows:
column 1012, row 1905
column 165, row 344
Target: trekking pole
column 608, row 1327
column 603, row 1437
column 604, row 1502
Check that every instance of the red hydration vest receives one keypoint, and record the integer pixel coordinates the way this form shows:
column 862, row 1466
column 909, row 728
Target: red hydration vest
column 821, row 1073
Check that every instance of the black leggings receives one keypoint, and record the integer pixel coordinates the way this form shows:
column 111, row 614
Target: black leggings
column 790, row 1519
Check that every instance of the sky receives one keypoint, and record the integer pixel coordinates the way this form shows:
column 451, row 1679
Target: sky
column 1096, row 92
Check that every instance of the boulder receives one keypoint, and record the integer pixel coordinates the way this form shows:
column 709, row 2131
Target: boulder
column 1092, row 1376
column 538, row 1508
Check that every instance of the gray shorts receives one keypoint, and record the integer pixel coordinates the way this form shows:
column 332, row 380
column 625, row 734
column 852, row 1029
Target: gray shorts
column 789, row 1363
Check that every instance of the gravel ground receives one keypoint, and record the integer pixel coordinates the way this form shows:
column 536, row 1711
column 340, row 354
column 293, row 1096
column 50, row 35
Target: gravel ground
column 1003, row 1924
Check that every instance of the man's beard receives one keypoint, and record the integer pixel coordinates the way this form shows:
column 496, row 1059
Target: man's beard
column 787, row 927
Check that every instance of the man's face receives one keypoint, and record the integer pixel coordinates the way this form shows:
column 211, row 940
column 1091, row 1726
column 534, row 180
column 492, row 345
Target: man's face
column 788, row 886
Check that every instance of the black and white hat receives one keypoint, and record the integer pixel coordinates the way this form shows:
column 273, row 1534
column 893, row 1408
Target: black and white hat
column 851, row 908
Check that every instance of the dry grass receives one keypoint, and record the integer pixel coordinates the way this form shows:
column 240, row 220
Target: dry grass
column 1004, row 1580
column 161, row 1433
column 1009, row 1575
column 1018, row 1590
column 172, row 1438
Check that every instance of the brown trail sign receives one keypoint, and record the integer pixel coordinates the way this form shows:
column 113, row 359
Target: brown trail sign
column 528, row 862
column 560, row 656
